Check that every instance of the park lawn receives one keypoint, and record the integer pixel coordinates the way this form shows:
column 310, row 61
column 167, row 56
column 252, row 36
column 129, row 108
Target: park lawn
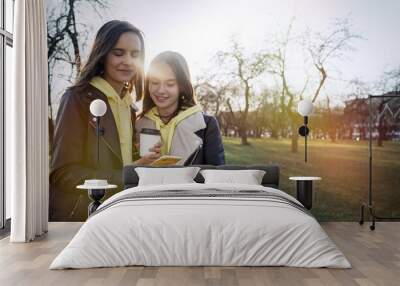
column 343, row 167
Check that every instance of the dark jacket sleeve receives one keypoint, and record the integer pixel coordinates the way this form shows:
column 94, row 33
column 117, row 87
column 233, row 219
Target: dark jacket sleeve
column 213, row 149
column 69, row 166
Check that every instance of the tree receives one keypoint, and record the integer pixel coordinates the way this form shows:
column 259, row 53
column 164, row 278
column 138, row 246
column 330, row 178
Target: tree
column 389, row 81
column 243, row 69
column 383, row 122
column 64, row 43
column 287, row 97
column 277, row 122
column 322, row 48
column 332, row 117
column 327, row 46
column 260, row 114
column 211, row 92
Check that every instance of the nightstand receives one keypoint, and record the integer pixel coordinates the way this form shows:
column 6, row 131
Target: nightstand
column 96, row 192
column 304, row 190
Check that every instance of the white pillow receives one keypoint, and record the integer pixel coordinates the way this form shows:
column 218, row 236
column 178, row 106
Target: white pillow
column 166, row 176
column 248, row 177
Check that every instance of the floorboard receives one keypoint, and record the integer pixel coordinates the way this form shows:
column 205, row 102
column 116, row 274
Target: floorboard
column 375, row 257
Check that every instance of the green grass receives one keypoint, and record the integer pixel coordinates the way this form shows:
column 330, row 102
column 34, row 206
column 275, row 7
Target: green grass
column 343, row 167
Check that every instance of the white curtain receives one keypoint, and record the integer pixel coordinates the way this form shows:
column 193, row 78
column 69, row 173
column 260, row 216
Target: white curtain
column 27, row 146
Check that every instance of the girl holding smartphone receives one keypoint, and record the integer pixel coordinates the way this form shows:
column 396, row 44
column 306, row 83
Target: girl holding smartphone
column 114, row 74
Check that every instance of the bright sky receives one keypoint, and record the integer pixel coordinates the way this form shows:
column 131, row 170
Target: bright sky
column 198, row 29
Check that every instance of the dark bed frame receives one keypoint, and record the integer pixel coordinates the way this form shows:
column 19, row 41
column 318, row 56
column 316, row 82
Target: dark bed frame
column 270, row 179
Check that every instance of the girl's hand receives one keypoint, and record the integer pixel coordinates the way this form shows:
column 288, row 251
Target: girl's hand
column 155, row 153
column 156, row 148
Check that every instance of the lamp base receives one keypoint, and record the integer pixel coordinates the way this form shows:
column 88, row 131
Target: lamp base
column 96, row 195
column 304, row 130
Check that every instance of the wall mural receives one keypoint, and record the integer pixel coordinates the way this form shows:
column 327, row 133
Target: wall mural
column 249, row 70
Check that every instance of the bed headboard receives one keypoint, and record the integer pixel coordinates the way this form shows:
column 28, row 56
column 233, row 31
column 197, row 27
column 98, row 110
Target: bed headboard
column 270, row 179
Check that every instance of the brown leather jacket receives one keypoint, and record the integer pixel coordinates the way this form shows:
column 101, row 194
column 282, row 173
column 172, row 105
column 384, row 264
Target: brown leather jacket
column 74, row 153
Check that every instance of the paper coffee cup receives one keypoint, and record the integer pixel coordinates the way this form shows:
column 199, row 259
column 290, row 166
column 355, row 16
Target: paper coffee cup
column 148, row 138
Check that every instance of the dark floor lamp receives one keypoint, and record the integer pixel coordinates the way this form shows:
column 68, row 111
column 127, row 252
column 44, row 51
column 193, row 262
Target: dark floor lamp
column 305, row 108
column 371, row 127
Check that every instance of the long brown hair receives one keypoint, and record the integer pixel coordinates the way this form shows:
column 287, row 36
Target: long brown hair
column 106, row 38
column 180, row 68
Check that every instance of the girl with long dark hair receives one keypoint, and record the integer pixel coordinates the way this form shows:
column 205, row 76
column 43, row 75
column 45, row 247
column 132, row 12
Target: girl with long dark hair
column 114, row 74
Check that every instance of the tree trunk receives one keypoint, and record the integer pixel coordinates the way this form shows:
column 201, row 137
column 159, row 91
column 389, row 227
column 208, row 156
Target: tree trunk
column 259, row 131
column 243, row 135
column 363, row 133
column 294, row 127
column 295, row 140
column 332, row 135
column 381, row 133
column 50, row 119
column 244, row 117
column 381, row 126
column 244, row 139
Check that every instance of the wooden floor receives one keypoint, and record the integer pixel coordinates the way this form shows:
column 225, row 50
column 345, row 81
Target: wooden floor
column 375, row 256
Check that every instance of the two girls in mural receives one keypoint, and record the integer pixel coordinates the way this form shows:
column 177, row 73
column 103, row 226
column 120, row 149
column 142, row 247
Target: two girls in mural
column 114, row 74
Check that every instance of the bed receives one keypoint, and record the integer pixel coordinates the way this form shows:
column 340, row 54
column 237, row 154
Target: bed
column 201, row 224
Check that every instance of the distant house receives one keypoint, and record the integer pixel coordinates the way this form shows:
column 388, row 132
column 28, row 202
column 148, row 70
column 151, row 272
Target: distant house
column 385, row 117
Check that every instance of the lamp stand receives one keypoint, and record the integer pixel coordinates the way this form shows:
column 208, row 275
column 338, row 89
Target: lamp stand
column 303, row 131
column 99, row 133
column 305, row 138
column 98, row 140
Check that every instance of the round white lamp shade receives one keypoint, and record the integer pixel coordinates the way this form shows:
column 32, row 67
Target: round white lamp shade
column 305, row 107
column 98, row 107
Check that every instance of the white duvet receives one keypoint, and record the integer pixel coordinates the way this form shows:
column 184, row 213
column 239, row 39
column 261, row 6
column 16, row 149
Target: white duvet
column 200, row 231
